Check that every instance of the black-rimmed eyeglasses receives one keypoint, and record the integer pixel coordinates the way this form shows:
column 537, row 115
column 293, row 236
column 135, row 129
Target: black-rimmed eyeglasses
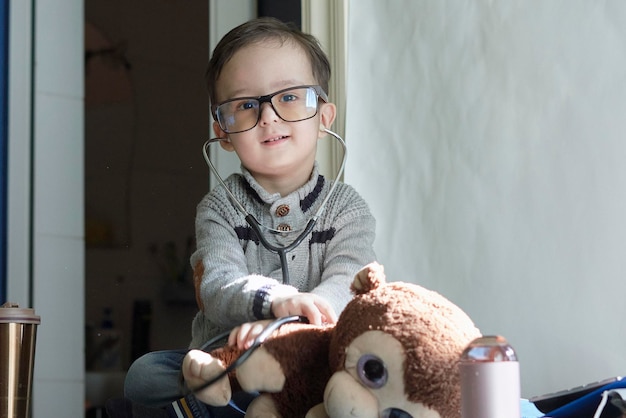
column 291, row 105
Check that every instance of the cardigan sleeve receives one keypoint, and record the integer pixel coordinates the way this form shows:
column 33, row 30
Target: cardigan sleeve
column 230, row 294
column 351, row 248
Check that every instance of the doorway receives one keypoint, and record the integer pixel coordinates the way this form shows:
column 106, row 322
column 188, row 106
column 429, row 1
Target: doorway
column 146, row 118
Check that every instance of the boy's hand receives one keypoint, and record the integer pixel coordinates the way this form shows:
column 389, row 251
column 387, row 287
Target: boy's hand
column 316, row 309
column 244, row 335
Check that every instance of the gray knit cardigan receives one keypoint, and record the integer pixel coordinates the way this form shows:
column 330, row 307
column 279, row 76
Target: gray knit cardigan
column 241, row 277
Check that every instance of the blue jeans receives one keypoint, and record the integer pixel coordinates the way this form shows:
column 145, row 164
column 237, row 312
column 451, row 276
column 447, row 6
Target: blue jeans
column 153, row 380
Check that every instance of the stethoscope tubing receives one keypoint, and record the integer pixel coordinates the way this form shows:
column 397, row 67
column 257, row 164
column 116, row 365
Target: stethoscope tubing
column 281, row 250
column 258, row 341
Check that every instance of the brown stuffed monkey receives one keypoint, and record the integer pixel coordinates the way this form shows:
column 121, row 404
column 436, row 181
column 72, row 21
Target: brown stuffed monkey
column 393, row 352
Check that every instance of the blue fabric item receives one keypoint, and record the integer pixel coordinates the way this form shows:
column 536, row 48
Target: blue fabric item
column 179, row 408
column 586, row 406
column 529, row 410
column 4, row 140
column 198, row 409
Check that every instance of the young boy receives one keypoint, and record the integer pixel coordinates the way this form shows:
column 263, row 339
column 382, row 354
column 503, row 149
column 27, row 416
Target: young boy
column 267, row 85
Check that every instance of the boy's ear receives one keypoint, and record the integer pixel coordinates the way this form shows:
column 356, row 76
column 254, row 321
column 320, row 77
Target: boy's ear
column 328, row 112
column 225, row 142
column 226, row 145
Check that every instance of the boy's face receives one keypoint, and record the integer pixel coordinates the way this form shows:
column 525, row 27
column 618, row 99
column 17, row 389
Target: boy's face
column 279, row 154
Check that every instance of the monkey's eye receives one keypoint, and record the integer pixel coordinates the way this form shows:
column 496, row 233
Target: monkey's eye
column 372, row 371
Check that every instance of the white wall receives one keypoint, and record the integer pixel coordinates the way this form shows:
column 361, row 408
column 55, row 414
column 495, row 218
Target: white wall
column 488, row 138
column 19, row 153
column 46, row 238
column 58, row 227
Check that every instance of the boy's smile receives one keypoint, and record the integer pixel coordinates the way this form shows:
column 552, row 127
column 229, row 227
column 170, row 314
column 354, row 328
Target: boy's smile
column 280, row 155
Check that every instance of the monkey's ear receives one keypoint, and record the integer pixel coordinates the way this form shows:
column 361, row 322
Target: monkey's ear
column 370, row 277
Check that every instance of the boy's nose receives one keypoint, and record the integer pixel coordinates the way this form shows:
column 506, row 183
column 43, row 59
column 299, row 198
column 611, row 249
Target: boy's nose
column 267, row 113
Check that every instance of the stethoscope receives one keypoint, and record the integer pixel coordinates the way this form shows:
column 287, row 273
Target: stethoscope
column 257, row 226
column 278, row 249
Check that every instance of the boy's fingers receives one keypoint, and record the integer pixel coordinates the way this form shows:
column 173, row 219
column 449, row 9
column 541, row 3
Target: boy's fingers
column 312, row 313
column 242, row 336
column 252, row 334
column 327, row 311
column 232, row 338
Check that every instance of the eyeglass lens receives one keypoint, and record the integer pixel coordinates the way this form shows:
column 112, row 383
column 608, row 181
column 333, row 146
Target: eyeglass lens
column 292, row 105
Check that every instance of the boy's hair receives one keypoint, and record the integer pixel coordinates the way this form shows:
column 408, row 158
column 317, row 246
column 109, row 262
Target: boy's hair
column 259, row 30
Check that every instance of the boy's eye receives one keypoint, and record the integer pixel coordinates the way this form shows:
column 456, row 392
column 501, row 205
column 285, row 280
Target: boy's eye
column 288, row 97
column 246, row 105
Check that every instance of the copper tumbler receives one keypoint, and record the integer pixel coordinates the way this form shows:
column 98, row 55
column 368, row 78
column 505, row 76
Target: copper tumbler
column 18, row 331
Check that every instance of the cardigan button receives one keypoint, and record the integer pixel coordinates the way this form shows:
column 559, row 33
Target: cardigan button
column 283, row 228
column 282, row 210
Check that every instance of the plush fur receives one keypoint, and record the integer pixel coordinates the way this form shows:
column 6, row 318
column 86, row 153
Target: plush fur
column 395, row 348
